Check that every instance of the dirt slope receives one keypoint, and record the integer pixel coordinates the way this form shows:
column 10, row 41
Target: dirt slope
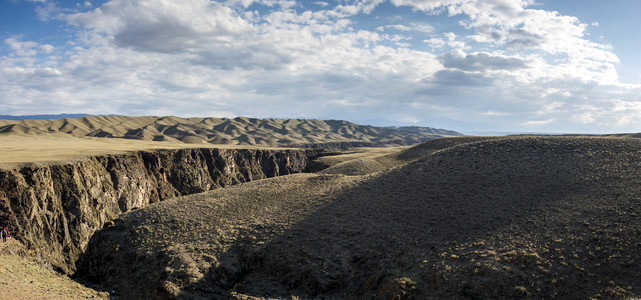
column 237, row 131
column 363, row 163
column 513, row 218
column 25, row 275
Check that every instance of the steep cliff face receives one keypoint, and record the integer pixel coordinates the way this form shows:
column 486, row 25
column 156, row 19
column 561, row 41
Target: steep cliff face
column 56, row 208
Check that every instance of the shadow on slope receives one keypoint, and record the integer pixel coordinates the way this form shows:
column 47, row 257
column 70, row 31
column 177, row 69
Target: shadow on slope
column 371, row 164
column 518, row 217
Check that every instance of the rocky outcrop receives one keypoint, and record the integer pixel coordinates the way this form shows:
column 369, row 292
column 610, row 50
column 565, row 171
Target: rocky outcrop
column 56, row 208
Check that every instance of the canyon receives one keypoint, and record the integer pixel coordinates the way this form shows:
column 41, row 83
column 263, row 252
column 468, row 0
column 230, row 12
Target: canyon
column 54, row 208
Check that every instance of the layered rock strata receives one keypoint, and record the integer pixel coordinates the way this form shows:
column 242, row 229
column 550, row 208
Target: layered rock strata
column 55, row 208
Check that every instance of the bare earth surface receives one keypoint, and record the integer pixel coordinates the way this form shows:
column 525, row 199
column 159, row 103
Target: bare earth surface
column 526, row 217
column 23, row 275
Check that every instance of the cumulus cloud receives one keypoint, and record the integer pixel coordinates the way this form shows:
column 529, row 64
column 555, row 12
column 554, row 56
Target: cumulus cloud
column 539, row 122
column 49, row 11
column 435, row 42
column 163, row 26
column 481, row 61
column 21, row 48
column 358, row 6
column 507, row 62
column 511, row 24
column 426, row 5
column 27, row 48
column 418, row 27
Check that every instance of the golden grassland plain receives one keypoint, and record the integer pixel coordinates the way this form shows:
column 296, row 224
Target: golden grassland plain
column 30, row 141
column 357, row 153
column 46, row 148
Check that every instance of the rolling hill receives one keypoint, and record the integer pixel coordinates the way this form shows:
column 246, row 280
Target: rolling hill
column 517, row 217
column 237, row 131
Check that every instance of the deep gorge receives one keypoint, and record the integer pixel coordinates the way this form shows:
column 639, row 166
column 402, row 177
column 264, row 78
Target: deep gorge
column 55, row 208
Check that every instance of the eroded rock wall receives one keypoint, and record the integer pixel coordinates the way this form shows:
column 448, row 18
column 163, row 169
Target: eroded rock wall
column 56, row 208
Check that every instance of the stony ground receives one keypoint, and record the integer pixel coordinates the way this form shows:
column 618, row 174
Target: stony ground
column 553, row 218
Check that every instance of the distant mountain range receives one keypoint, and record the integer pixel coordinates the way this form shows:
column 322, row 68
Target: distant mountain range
column 239, row 131
column 42, row 117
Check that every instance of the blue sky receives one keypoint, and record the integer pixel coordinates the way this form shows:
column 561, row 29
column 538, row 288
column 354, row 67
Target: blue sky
column 469, row 65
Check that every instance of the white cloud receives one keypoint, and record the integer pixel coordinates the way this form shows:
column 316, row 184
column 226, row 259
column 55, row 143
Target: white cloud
column 21, row 48
column 426, row 5
column 453, row 42
column 510, row 24
column 450, row 36
column 539, row 122
column 584, row 118
column 481, row 61
column 359, row 6
column 495, row 113
column 146, row 24
column 418, row 27
column 27, row 48
column 46, row 48
column 49, row 11
column 422, row 27
column 435, row 42
column 396, row 27
column 507, row 63
column 550, row 108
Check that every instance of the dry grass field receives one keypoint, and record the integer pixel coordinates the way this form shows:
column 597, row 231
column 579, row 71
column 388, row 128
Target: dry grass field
column 45, row 141
column 523, row 217
column 61, row 148
column 25, row 275
column 364, row 161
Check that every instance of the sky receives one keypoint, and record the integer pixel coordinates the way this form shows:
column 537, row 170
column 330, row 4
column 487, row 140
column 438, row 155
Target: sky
column 554, row 66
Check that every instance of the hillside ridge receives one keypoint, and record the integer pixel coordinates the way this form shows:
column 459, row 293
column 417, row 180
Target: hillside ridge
column 517, row 217
column 236, row 131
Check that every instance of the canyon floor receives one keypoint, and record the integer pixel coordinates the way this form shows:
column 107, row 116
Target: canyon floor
column 467, row 218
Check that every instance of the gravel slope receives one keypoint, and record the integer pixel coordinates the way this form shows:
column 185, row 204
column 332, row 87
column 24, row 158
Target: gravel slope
column 25, row 275
column 525, row 217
